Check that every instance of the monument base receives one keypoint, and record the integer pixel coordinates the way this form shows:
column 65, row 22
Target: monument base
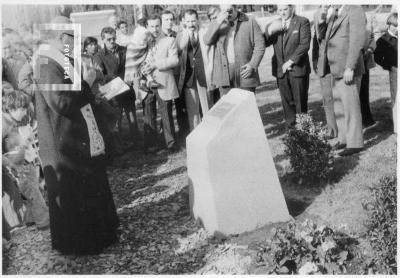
column 232, row 176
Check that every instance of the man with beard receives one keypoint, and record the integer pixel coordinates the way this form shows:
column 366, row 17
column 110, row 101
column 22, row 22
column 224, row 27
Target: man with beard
column 192, row 79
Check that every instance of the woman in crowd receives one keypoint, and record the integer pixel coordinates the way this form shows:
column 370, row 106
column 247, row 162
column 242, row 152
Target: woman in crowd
column 90, row 46
column 21, row 157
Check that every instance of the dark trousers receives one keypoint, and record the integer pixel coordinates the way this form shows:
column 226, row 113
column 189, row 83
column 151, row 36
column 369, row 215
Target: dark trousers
column 165, row 109
column 294, row 95
column 149, row 121
column 126, row 103
column 366, row 114
column 215, row 96
column 181, row 115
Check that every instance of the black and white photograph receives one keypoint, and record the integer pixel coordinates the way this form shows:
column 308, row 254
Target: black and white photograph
column 199, row 138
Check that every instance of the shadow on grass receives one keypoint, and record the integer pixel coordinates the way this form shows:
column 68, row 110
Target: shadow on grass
column 267, row 86
column 152, row 226
column 300, row 194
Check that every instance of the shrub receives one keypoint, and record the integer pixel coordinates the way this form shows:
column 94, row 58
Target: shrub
column 308, row 250
column 307, row 146
column 382, row 224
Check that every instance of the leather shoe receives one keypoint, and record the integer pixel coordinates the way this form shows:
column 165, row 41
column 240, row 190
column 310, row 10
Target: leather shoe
column 339, row 146
column 350, row 151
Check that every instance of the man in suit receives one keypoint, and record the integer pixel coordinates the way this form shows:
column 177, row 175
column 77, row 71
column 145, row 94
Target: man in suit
column 321, row 16
column 110, row 60
column 167, row 23
column 165, row 60
column 341, row 55
column 192, row 78
column 239, row 49
column 290, row 37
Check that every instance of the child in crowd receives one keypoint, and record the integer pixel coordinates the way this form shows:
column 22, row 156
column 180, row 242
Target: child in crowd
column 140, row 53
column 21, row 156
column 386, row 56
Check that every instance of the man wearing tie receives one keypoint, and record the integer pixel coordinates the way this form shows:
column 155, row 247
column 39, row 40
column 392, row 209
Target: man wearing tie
column 341, row 55
column 290, row 37
column 192, row 79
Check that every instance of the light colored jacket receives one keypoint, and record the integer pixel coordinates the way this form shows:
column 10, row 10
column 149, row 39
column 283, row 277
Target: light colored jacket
column 249, row 48
column 344, row 43
column 166, row 59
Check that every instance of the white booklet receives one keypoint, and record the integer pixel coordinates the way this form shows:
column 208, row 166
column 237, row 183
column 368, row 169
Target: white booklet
column 113, row 88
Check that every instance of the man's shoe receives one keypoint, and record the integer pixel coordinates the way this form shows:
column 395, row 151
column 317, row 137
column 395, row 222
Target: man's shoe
column 370, row 126
column 338, row 146
column 350, row 151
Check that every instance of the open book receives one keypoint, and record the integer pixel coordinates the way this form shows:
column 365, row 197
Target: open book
column 113, row 88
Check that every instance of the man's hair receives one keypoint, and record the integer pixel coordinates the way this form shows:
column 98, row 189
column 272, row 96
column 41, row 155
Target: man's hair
column 392, row 19
column 121, row 22
column 107, row 30
column 190, row 12
column 153, row 17
column 88, row 41
column 14, row 100
column 167, row 12
column 142, row 21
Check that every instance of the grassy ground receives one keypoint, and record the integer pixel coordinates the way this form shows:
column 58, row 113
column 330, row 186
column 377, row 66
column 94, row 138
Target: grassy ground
column 158, row 236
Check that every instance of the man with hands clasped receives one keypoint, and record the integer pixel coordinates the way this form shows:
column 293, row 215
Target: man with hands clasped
column 239, row 49
column 290, row 36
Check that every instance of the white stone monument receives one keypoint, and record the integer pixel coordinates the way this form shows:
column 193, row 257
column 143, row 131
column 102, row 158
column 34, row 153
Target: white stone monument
column 234, row 186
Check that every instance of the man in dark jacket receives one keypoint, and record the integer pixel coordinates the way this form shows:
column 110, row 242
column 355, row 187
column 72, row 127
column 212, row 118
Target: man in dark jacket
column 239, row 49
column 291, row 37
column 386, row 56
column 111, row 61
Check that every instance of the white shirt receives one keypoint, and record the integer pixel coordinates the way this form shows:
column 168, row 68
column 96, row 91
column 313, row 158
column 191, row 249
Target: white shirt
column 391, row 33
column 286, row 23
column 229, row 43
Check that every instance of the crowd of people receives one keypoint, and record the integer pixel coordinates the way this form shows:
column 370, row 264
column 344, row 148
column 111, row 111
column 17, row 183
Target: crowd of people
column 68, row 136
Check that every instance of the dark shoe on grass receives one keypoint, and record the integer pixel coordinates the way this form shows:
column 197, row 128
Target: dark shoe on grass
column 350, row 151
